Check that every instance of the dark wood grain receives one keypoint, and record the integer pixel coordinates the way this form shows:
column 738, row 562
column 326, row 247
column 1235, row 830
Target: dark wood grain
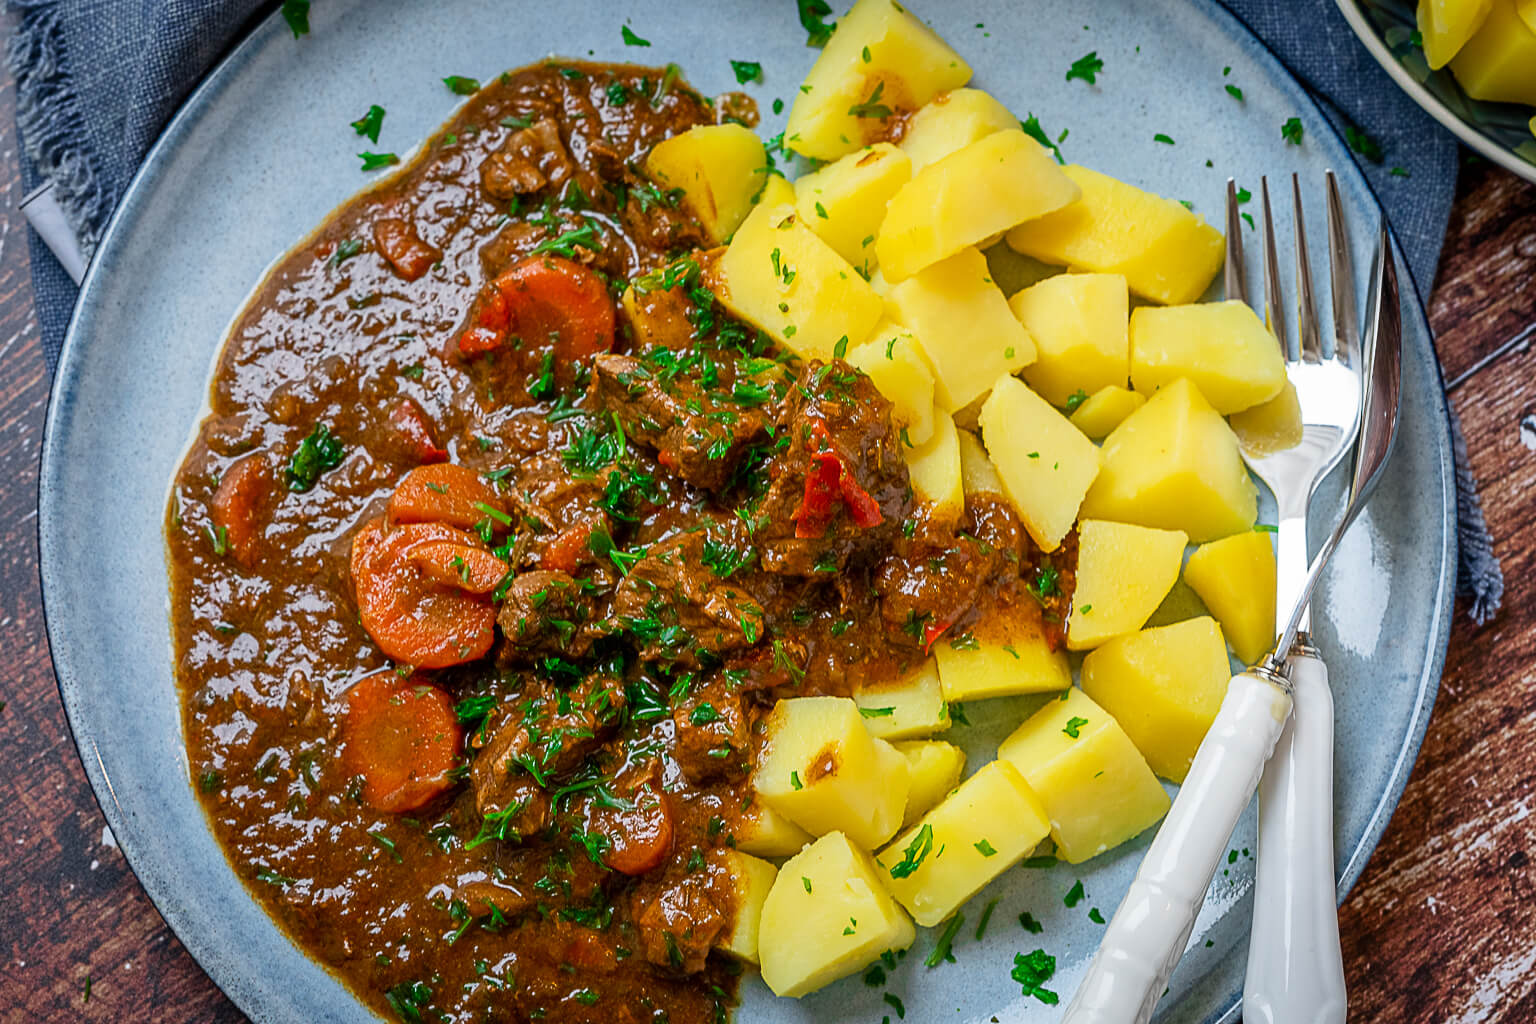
column 1440, row 928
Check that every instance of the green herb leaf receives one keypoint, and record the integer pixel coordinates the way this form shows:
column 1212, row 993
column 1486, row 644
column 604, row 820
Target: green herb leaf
column 985, row 848
column 1032, row 970
column 1086, row 68
column 1234, row 92
column 373, row 161
column 1076, row 399
column 747, row 71
column 1029, row 923
column 943, row 949
column 1362, row 143
column 1291, row 131
column 916, row 852
column 370, row 123
column 1074, row 895
column 1032, row 127
column 1073, row 725
column 318, row 453
column 462, row 86
column 811, row 14
column 1166, row 140
column 871, row 107
column 630, row 39
column 296, row 14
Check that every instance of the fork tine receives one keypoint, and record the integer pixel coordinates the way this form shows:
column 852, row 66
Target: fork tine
column 1234, row 281
column 1306, row 318
column 1341, row 273
column 1274, row 310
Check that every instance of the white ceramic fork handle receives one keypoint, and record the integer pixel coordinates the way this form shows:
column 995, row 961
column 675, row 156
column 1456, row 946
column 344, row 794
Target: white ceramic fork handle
column 1148, row 933
column 1295, row 968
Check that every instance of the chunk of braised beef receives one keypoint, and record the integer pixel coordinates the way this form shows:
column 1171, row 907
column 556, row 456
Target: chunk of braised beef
column 546, row 612
column 838, row 483
column 558, row 511
column 541, row 733
column 712, row 730
column 412, row 438
column 678, row 609
column 529, row 160
column 698, row 433
column 406, row 253
column 680, row 925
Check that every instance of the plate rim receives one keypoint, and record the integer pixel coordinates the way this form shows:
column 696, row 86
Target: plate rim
column 217, row 968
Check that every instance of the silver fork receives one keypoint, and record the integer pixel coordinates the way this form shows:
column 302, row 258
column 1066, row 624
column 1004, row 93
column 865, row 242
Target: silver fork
column 1295, row 968
column 1151, row 927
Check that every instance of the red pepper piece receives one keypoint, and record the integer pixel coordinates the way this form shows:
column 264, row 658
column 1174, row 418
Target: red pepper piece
column 829, row 482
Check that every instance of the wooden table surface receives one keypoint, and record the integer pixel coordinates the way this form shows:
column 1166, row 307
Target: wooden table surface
column 1441, row 928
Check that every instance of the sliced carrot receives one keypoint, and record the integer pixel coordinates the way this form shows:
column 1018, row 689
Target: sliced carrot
column 640, row 834
column 403, row 738
column 239, row 506
column 565, row 552
column 414, row 432
column 465, row 567
column 444, row 493
column 414, row 618
column 544, row 300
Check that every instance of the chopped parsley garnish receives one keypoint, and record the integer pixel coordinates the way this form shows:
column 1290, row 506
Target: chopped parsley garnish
column 1234, row 92
column 630, row 39
column 1362, row 143
column 1095, row 916
column 369, row 124
column 894, row 1002
column 942, row 950
column 1291, row 131
column 1032, row 127
column 374, row 161
column 747, row 71
column 986, row 918
column 1076, row 399
column 985, row 848
column 871, row 107
column 1399, row 172
column 1074, row 895
column 1073, row 725
column 805, row 882
column 296, row 14
column 345, row 250
column 915, row 853
column 273, row 878
column 408, row 999
column 1086, row 68
column 462, row 86
column 565, row 243
column 219, row 537
column 617, row 94
column 1032, row 970
column 318, row 453
column 811, row 14
column 1166, row 140
column 724, row 560
column 877, row 712
column 1028, row 922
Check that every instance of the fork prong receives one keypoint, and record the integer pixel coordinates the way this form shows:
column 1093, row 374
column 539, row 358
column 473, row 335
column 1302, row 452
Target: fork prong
column 1234, row 280
column 1306, row 314
column 1341, row 274
column 1274, row 308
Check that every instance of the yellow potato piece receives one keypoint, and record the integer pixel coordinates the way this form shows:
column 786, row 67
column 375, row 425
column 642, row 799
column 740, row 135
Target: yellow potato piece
column 1499, row 62
column 1174, row 464
column 1272, row 426
column 1079, row 325
column 969, row 196
column 1004, row 659
column 1047, row 465
column 1165, row 252
column 765, row 832
column 907, row 707
column 750, row 881
column 880, row 62
column 977, row 474
column 827, row 916
column 721, row 169
column 898, row 367
column 777, row 191
column 1095, row 785
column 934, row 767
column 778, row 275
column 1223, row 348
column 1235, row 577
column 1123, row 574
column 1164, row 686
column 964, row 326
column 934, row 468
column 1105, row 410
column 1446, row 25
column 844, row 202
column 951, row 121
column 820, row 768
column 975, row 834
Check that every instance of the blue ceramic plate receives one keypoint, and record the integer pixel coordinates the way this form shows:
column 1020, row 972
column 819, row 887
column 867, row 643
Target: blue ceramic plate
column 1499, row 131
column 262, row 152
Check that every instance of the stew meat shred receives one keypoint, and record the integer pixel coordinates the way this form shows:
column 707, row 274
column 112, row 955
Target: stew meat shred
column 482, row 586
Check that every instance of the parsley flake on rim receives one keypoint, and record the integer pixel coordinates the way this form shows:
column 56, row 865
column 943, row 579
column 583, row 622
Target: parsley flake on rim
column 370, row 123
column 459, row 85
column 1235, row 92
column 1166, row 140
column 1362, row 143
column 818, row 32
column 630, row 39
column 1031, row 127
column 296, row 14
column 747, row 71
column 374, row 161
column 915, row 853
column 1032, row 970
column 1292, row 131
column 1086, row 68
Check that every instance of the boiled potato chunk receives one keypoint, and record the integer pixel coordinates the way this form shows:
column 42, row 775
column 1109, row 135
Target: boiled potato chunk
column 951, row 121
column 777, row 191
column 751, row 880
column 1079, row 324
column 1046, row 463
column 1235, row 577
column 1165, row 252
column 719, row 167
column 827, row 916
column 1105, row 410
column 844, row 202
column 977, row 474
column 1223, row 348
column 767, row 833
column 896, row 363
column 934, row 467
column 1094, row 783
column 1446, row 25
column 1499, row 62
column 969, row 196
column 1272, row 426
column 1164, row 686
column 778, row 275
column 820, row 768
column 975, row 834
column 903, row 708
column 879, row 63
column 935, row 768
column 964, row 327
column 1174, row 464
column 1008, row 658
column 1123, row 574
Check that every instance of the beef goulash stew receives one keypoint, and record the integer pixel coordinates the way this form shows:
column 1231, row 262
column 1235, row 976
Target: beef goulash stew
column 576, row 534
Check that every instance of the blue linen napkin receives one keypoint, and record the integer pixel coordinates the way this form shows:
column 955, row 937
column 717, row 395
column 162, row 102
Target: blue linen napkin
column 96, row 82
